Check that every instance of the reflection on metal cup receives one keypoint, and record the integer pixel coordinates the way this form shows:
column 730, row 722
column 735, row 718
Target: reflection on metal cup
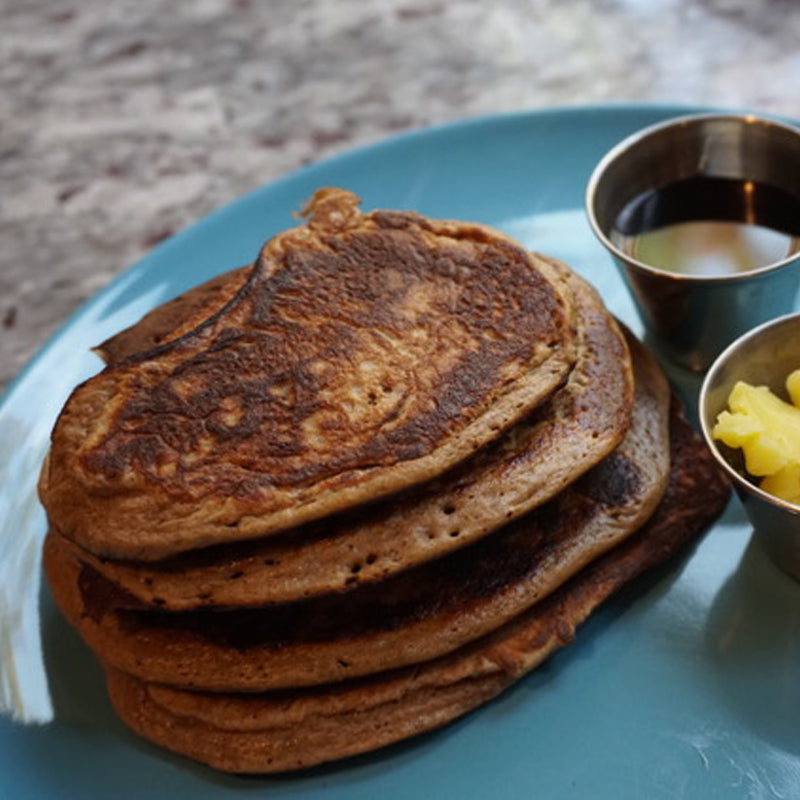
column 762, row 357
column 711, row 167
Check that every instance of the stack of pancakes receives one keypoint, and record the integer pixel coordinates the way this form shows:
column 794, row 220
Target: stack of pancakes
column 346, row 495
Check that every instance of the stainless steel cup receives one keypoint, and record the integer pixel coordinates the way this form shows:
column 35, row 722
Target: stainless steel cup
column 690, row 319
column 763, row 357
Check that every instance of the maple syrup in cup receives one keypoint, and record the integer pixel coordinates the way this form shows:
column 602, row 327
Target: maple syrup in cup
column 710, row 226
column 702, row 216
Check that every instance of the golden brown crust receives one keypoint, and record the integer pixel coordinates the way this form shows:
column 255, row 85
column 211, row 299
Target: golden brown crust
column 364, row 354
column 573, row 430
column 275, row 732
column 415, row 616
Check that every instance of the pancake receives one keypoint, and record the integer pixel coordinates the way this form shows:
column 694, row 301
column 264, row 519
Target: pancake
column 276, row 732
column 176, row 317
column 418, row 615
column 573, row 430
column 364, row 354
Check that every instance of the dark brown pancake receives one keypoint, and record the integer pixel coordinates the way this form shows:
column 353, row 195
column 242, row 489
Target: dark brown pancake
column 275, row 732
column 417, row 615
column 364, row 354
column 532, row 462
column 174, row 318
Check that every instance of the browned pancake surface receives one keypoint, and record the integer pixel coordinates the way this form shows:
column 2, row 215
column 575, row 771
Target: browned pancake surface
column 364, row 354
column 531, row 463
column 277, row 731
column 418, row 615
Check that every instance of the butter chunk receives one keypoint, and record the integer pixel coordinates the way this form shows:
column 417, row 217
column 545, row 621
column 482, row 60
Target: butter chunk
column 793, row 387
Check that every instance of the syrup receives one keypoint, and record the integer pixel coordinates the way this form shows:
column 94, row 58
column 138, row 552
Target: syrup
column 710, row 226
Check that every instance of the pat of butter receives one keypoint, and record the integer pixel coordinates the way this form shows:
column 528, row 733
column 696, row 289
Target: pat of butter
column 767, row 429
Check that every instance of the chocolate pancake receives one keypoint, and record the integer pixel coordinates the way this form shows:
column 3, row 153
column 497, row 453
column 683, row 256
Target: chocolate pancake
column 575, row 428
column 418, row 615
column 282, row 731
column 365, row 353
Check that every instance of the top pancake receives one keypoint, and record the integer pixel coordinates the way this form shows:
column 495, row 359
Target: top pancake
column 364, row 354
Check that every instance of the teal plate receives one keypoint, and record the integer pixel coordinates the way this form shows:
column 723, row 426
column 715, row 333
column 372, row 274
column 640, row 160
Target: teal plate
column 685, row 685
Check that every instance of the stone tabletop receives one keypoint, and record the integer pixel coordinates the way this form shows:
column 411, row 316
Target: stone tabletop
column 113, row 112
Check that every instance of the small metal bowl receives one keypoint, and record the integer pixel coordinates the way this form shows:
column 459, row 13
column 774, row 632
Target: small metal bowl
column 763, row 357
column 690, row 319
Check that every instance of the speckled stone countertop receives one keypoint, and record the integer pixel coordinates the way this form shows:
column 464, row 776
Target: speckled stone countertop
column 122, row 121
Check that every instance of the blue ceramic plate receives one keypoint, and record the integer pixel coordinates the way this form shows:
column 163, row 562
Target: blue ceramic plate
column 685, row 685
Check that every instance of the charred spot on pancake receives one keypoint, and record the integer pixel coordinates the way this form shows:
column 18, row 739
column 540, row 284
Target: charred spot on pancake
column 610, row 482
column 99, row 595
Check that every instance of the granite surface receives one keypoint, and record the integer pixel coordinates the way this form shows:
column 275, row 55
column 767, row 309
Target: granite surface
column 122, row 121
